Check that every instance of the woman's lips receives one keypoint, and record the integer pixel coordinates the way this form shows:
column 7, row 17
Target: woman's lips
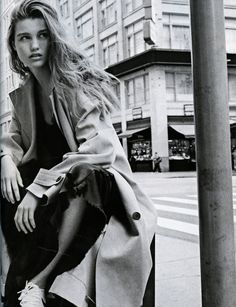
column 36, row 56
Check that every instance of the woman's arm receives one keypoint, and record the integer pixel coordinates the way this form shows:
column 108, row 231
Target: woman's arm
column 95, row 134
column 11, row 153
column 11, row 142
column 10, row 179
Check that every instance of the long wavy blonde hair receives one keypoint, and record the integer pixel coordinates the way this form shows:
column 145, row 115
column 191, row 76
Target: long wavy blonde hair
column 70, row 68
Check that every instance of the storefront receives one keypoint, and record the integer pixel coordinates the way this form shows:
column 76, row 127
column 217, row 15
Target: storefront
column 181, row 139
column 233, row 142
column 139, row 147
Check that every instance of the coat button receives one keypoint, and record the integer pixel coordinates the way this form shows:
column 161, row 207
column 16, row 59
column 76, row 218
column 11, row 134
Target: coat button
column 136, row 216
column 58, row 179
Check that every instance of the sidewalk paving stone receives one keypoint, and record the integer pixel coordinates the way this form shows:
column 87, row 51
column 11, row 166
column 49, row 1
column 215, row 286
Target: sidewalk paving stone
column 177, row 273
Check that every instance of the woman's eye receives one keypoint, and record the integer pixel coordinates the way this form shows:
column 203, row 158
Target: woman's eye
column 23, row 38
column 43, row 35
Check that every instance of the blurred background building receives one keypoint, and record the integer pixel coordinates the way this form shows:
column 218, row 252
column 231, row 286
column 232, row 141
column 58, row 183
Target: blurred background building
column 146, row 44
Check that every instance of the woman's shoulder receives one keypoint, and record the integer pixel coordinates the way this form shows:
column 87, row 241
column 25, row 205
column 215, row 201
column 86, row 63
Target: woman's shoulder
column 87, row 102
column 22, row 84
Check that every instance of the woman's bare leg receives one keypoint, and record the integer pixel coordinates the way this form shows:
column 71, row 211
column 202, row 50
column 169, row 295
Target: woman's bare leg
column 5, row 263
column 71, row 221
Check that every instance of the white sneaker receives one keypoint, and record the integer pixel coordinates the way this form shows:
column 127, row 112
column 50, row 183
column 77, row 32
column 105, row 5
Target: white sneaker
column 32, row 296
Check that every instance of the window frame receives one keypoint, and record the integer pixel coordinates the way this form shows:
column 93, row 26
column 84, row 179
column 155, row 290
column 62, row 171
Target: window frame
column 107, row 49
column 173, row 23
column 133, row 6
column 146, row 91
column 229, row 76
column 81, row 25
column 176, row 94
column 130, row 37
column 64, row 8
column 104, row 23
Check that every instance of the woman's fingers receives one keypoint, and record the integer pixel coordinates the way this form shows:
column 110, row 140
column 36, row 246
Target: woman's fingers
column 10, row 189
column 26, row 220
column 15, row 189
column 3, row 188
column 9, row 193
column 16, row 220
column 19, row 179
column 31, row 219
column 19, row 219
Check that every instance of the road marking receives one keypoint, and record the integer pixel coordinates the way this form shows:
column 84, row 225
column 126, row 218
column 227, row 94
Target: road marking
column 179, row 226
column 177, row 200
column 176, row 209
column 182, row 200
column 174, row 222
column 196, row 196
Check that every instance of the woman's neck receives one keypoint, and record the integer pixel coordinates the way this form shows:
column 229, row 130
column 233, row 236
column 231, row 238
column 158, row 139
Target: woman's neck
column 43, row 76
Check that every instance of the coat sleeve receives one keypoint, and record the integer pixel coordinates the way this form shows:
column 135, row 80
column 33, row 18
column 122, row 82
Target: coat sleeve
column 11, row 142
column 96, row 138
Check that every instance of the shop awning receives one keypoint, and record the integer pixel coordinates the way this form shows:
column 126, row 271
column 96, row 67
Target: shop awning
column 128, row 133
column 186, row 130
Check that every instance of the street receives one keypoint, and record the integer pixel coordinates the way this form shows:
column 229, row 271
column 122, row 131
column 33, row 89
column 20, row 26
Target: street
column 177, row 250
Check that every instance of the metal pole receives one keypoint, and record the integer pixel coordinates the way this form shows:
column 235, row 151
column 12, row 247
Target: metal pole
column 217, row 251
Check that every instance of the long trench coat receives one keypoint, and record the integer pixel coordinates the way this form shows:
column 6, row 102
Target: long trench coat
column 117, row 267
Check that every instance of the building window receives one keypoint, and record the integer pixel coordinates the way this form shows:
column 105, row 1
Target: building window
column 90, row 52
column 108, row 12
column 176, row 31
column 132, row 5
column 78, row 3
column 117, row 90
column 64, row 8
column 110, row 50
column 84, row 25
column 230, row 34
column 230, row 2
column 179, row 86
column 232, row 87
column 135, row 40
column 137, row 91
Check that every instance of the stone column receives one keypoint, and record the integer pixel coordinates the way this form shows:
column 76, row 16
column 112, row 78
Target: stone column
column 159, row 129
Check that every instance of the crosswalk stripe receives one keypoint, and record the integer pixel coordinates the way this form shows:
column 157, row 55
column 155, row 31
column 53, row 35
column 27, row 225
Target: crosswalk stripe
column 195, row 195
column 178, row 218
column 177, row 200
column 178, row 226
column 176, row 210
column 181, row 200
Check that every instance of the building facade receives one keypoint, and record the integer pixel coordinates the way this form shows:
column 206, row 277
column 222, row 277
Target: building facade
column 146, row 44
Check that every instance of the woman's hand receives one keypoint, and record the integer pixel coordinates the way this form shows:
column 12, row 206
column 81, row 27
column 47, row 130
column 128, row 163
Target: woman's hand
column 24, row 217
column 10, row 179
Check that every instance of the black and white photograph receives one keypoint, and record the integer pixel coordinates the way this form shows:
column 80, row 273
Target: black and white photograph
column 118, row 153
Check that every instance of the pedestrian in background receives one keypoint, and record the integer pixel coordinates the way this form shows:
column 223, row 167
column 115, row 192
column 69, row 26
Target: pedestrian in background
column 75, row 222
column 156, row 162
column 133, row 164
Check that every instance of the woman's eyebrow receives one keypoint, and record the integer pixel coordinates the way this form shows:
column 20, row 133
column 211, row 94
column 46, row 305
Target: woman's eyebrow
column 27, row 33
column 23, row 33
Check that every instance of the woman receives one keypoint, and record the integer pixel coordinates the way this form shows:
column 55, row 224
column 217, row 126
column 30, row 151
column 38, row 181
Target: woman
column 76, row 224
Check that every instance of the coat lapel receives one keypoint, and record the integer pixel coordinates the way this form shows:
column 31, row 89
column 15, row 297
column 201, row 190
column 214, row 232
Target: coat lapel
column 64, row 121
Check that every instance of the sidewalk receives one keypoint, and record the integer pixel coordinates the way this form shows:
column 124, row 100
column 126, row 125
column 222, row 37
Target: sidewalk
column 177, row 273
column 189, row 174
column 186, row 174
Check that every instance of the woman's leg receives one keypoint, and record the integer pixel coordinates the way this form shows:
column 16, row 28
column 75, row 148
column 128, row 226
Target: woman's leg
column 71, row 221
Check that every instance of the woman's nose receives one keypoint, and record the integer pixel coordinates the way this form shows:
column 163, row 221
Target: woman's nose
column 34, row 44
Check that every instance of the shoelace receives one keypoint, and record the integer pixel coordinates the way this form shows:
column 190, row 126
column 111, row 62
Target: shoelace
column 31, row 296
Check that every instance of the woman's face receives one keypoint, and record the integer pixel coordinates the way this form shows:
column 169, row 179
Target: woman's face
column 32, row 42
